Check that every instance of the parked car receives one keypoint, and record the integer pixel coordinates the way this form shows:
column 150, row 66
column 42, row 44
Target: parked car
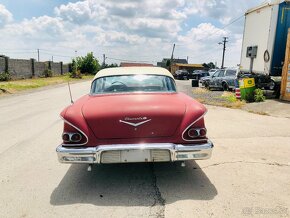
column 198, row 74
column 181, row 75
column 222, row 79
column 133, row 114
column 203, row 80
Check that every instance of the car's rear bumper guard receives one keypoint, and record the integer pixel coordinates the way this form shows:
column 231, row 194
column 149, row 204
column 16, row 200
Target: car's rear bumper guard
column 124, row 153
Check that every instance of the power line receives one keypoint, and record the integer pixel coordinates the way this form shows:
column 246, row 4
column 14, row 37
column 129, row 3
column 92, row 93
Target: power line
column 57, row 55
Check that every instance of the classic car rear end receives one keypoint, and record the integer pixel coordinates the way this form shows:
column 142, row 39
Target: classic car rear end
column 134, row 115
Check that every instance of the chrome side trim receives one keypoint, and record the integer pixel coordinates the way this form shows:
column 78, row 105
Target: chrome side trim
column 75, row 145
column 193, row 140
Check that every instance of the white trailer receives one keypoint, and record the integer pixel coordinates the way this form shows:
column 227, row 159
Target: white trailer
column 264, row 39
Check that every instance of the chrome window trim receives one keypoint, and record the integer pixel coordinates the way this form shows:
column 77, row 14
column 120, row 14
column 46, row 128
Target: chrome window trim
column 76, row 129
column 127, row 93
column 193, row 140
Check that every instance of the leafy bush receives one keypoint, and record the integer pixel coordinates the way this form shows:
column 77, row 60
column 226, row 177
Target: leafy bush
column 47, row 73
column 88, row 64
column 5, row 76
column 249, row 97
column 259, row 95
column 75, row 74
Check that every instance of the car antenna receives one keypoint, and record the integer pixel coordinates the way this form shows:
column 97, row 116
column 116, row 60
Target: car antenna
column 71, row 100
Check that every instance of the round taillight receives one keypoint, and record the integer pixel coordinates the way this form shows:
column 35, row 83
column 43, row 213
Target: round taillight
column 202, row 132
column 76, row 137
column 193, row 133
column 65, row 137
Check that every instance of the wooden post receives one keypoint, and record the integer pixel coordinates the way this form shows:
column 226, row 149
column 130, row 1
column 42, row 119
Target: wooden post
column 285, row 82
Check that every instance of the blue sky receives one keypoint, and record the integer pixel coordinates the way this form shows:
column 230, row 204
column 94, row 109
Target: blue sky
column 143, row 30
column 32, row 8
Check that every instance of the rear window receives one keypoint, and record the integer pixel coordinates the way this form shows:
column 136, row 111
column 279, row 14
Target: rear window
column 133, row 83
column 231, row 73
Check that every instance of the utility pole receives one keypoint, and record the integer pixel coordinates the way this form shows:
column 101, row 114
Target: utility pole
column 171, row 59
column 38, row 55
column 104, row 60
column 224, row 42
column 51, row 58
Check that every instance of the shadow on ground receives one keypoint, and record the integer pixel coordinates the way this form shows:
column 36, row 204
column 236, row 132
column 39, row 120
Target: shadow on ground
column 143, row 184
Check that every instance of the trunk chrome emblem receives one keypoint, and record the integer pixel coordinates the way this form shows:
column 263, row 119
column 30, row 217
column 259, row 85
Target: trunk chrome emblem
column 134, row 124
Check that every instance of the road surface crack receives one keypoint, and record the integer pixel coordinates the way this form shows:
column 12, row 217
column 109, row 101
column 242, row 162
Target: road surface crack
column 159, row 201
column 249, row 162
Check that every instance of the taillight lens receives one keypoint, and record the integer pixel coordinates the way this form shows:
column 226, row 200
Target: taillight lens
column 65, row 137
column 71, row 137
column 76, row 137
column 194, row 133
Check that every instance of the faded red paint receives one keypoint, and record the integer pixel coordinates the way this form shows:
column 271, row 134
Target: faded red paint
column 99, row 117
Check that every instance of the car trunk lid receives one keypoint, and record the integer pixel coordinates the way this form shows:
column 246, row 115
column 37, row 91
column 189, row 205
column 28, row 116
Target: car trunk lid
column 134, row 115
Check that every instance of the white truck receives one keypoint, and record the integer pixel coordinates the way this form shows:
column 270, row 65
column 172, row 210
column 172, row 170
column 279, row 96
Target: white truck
column 264, row 43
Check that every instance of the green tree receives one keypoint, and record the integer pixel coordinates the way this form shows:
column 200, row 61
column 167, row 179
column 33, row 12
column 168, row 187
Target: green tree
column 209, row 65
column 88, row 64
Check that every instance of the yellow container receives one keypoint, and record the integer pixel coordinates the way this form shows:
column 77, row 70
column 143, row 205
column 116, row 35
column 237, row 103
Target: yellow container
column 247, row 87
column 249, row 82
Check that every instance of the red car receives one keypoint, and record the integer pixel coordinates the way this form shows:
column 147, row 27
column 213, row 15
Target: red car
column 133, row 114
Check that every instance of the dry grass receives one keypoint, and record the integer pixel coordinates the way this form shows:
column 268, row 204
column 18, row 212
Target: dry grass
column 200, row 100
column 226, row 99
column 11, row 87
column 200, row 91
column 258, row 112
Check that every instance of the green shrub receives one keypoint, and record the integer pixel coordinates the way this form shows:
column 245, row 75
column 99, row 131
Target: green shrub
column 76, row 74
column 88, row 64
column 47, row 73
column 249, row 97
column 5, row 76
column 259, row 95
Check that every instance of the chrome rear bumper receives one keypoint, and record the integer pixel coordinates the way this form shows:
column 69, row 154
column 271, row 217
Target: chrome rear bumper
column 126, row 153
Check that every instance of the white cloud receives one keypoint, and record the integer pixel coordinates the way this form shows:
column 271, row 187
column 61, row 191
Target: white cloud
column 137, row 30
column 150, row 18
column 224, row 10
column 79, row 12
column 201, row 43
column 5, row 16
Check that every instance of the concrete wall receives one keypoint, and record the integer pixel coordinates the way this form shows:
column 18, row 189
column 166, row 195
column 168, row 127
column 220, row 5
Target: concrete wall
column 24, row 69
column 39, row 68
column 66, row 68
column 20, row 69
column 56, row 68
column 2, row 64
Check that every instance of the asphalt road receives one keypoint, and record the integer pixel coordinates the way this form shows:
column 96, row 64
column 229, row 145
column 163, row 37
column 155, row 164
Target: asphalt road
column 248, row 174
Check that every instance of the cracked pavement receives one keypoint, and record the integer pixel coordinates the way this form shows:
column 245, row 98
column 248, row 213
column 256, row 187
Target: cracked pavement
column 248, row 174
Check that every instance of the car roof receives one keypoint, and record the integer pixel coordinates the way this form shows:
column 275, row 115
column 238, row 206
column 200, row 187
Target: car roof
column 117, row 71
column 231, row 68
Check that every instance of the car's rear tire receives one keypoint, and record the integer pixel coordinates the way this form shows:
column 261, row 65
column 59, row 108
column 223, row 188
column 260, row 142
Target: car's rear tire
column 225, row 87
